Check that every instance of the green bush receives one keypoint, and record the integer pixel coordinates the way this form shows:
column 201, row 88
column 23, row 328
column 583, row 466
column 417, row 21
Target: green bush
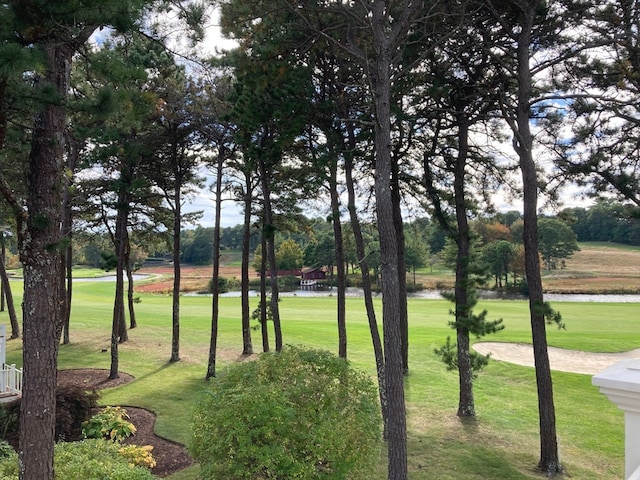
column 73, row 407
column 9, row 420
column 225, row 285
column 299, row 413
column 111, row 423
column 6, row 450
column 88, row 459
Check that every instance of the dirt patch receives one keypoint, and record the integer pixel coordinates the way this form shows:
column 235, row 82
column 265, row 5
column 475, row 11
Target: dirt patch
column 192, row 279
column 170, row 456
column 563, row 360
column 91, row 378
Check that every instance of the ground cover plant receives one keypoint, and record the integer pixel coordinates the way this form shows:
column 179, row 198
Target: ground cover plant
column 87, row 459
column 502, row 442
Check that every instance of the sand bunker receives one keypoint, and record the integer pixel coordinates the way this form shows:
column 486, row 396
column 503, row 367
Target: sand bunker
column 563, row 360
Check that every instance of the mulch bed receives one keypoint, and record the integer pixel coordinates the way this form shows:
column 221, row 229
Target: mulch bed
column 170, row 456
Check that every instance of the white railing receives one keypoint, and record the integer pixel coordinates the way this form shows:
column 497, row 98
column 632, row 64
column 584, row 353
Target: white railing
column 10, row 380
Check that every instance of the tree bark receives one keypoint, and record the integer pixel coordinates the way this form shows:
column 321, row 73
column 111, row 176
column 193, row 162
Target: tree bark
column 340, row 262
column 4, row 82
column 523, row 143
column 41, row 266
column 268, row 230
column 118, row 326
column 402, row 266
column 366, row 278
column 264, row 326
column 392, row 328
column 68, row 280
column 177, row 270
column 130, row 293
column 73, row 155
column 215, row 286
column 466, row 404
column 6, row 292
column 247, row 345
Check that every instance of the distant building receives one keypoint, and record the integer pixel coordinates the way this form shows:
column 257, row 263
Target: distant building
column 312, row 273
column 310, row 276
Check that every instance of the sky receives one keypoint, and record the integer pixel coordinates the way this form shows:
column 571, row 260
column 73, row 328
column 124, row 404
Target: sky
column 232, row 212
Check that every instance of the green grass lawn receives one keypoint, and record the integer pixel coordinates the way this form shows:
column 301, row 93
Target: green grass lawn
column 501, row 443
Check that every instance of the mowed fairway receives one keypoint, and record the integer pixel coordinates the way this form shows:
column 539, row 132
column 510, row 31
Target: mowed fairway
column 501, row 443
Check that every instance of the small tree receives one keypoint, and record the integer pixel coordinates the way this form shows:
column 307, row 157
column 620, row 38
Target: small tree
column 556, row 242
column 289, row 255
column 498, row 256
column 298, row 413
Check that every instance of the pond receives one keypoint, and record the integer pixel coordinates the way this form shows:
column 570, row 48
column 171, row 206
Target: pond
column 487, row 294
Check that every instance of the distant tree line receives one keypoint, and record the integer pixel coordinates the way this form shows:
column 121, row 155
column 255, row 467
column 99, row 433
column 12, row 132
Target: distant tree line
column 606, row 221
column 498, row 241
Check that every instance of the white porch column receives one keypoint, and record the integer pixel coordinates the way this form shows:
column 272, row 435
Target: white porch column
column 621, row 383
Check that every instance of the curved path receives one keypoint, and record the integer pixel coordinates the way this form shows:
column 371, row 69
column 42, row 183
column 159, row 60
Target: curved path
column 574, row 361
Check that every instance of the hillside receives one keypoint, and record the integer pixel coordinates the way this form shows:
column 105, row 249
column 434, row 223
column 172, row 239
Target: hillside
column 596, row 268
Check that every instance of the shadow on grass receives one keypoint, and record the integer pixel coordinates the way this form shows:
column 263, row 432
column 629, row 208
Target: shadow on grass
column 447, row 458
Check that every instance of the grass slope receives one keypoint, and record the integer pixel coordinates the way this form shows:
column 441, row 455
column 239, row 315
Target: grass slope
column 596, row 268
column 502, row 442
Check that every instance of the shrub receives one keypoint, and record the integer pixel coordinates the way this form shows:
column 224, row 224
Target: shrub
column 225, row 285
column 299, row 413
column 95, row 458
column 73, row 408
column 10, row 421
column 6, row 450
column 139, row 456
column 88, row 459
column 111, row 423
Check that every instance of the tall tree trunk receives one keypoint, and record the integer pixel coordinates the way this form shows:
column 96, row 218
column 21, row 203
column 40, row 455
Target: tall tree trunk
column 268, row 230
column 264, row 324
column 41, row 266
column 4, row 82
column 247, row 345
column 392, row 328
column 3, row 256
column 523, row 143
column 215, row 285
column 130, row 294
column 340, row 261
column 275, row 296
column 72, row 157
column 402, row 266
column 66, row 330
column 118, row 326
column 366, row 278
column 466, row 405
column 6, row 292
column 177, row 271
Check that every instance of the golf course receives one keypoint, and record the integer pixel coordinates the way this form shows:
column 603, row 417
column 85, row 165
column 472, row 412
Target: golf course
column 502, row 442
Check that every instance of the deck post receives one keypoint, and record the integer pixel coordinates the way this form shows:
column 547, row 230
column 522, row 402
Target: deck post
column 621, row 384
